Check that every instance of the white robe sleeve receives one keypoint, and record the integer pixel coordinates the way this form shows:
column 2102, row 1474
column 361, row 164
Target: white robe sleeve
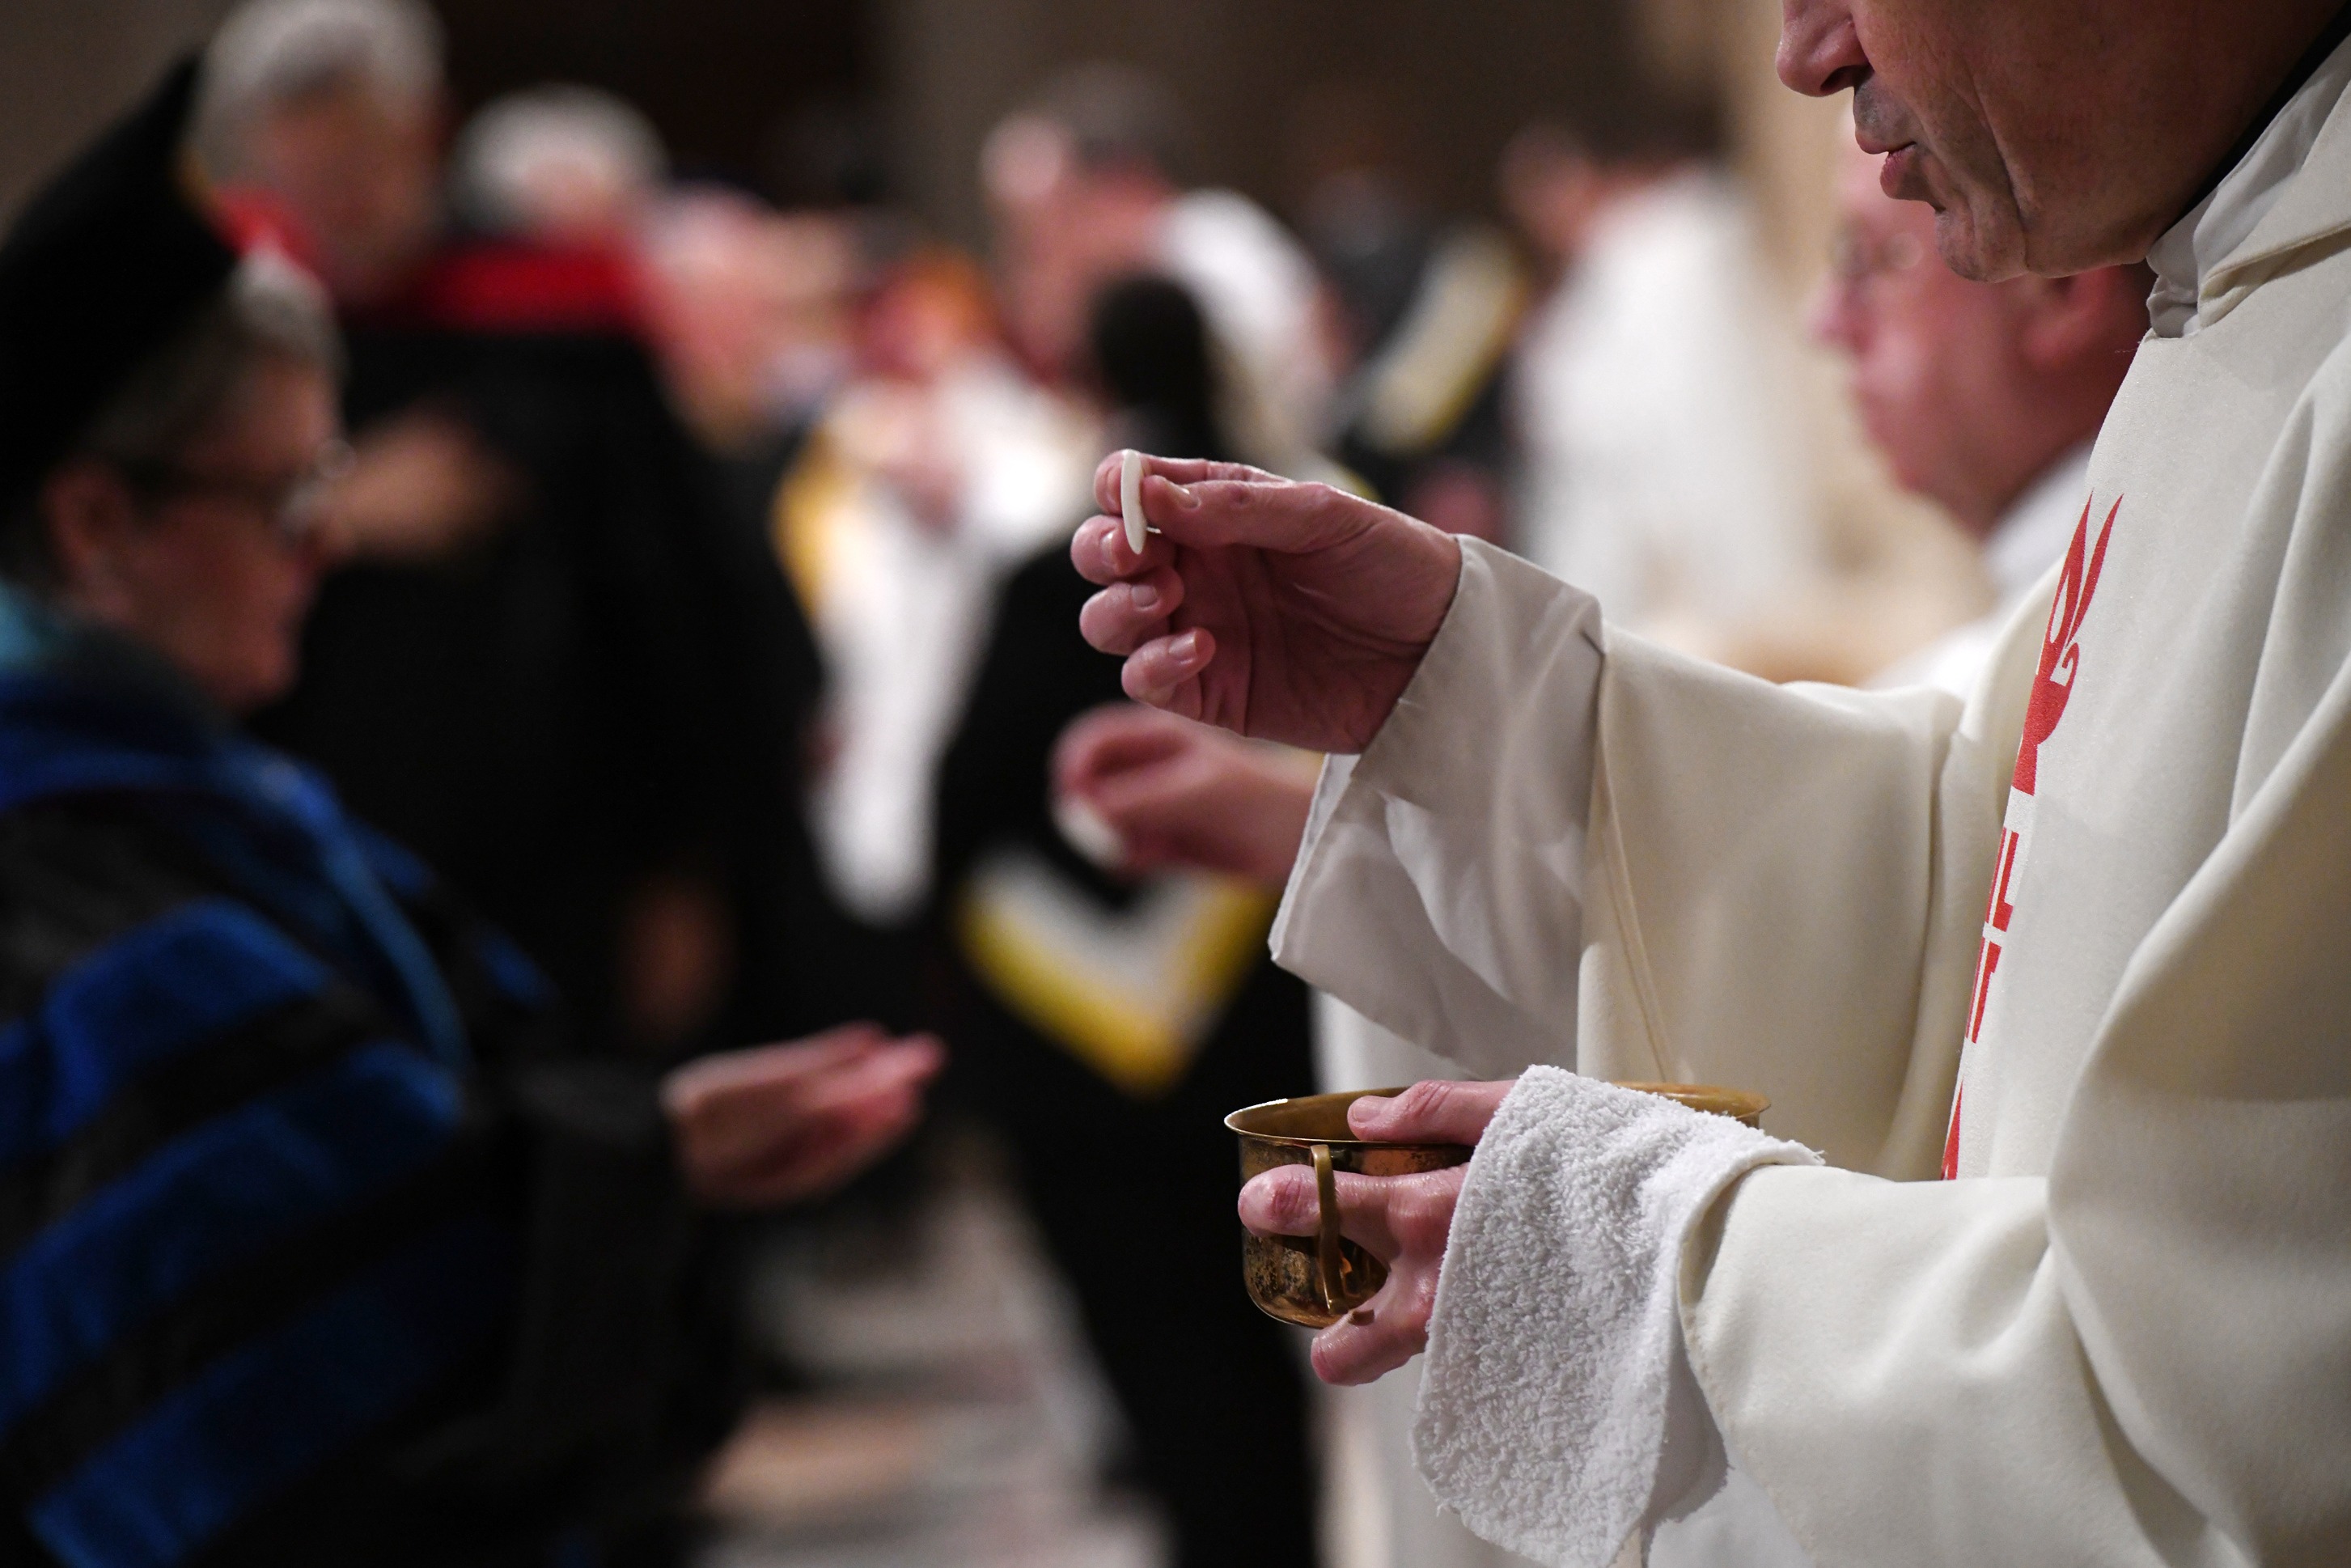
column 1548, row 1415
column 1439, row 887
column 1822, row 855
column 2143, row 1357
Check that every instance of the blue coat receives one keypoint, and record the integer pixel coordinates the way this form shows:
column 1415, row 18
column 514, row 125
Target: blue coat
column 314, row 1245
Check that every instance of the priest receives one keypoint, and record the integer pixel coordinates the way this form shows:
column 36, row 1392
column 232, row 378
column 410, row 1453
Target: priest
column 2070, row 943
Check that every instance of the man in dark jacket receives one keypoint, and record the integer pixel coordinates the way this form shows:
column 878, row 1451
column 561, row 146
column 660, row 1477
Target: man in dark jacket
column 1105, row 1024
column 560, row 667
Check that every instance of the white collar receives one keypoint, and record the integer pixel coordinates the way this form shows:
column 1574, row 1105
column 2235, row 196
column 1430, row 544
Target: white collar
column 2207, row 236
column 2032, row 534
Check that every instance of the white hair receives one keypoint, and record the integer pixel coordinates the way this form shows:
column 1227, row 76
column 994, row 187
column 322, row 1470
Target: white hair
column 270, row 52
column 515, row 154
column 270, row 310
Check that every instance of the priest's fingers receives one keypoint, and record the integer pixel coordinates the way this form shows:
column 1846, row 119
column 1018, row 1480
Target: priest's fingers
column 1166, row 673
column 1126, row 615
column 1435, row 1112
column 1368, row 1344
column 1100, row 551
column 1217, row 504
column 1109, row 475
column 1392, row 1217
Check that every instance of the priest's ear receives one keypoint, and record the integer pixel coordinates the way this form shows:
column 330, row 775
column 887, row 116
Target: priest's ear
column 2090, row 321
column 86, row 515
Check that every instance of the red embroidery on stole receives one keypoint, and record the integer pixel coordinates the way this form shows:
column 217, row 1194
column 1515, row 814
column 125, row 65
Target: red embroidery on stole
column 2053, row 688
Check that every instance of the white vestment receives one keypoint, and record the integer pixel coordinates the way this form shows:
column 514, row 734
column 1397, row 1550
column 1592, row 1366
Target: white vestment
column 2119, row 872
column 2030, row 537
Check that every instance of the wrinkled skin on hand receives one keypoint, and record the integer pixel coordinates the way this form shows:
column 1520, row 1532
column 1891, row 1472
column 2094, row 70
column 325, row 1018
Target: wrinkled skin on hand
column 1276, row 610
column 1404, row 1221
column 782, row 1124
column 1185, row 795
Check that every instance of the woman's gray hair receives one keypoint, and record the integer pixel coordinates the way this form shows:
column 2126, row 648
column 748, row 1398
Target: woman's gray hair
column 270, row 312
column 272, row 52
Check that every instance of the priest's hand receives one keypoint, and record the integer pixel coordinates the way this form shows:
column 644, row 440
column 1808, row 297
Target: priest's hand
column 784, row 1122
column 1404, row 1221
column 1281, row 611
column 1176, row 793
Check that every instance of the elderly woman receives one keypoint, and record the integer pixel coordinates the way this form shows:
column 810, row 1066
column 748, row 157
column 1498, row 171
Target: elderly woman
column 316, row 1247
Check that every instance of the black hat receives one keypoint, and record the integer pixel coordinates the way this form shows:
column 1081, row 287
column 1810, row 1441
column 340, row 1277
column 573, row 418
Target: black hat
column 106, row 265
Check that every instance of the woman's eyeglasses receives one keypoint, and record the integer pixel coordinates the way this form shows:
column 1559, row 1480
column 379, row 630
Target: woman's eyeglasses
column 294, row 505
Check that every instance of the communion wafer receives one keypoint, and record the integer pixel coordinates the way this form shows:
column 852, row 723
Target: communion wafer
column 1130, row 499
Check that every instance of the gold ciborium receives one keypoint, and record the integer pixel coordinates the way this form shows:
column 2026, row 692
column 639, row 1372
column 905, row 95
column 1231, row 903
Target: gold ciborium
column 1315, row 1281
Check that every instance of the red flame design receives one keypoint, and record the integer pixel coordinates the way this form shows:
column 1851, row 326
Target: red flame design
column 2061, row 653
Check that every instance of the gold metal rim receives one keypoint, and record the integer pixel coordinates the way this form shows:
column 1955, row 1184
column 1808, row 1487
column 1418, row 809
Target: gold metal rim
column 1233, row 1123
column 1739, row 1105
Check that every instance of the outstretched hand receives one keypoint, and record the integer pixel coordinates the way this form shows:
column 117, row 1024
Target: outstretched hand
column 1404, row 1221
column 1177, row 793
column 1282, row 611
column 782, row 1123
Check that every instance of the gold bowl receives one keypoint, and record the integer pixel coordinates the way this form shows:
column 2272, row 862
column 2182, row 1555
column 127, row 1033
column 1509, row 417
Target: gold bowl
column 1315, row 1281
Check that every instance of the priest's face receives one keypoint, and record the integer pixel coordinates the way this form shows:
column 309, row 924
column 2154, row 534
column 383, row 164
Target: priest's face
column 213, row 561
column 2050, row 136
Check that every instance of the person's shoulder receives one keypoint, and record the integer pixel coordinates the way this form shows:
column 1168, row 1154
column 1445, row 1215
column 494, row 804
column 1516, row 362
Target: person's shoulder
column 74, row 875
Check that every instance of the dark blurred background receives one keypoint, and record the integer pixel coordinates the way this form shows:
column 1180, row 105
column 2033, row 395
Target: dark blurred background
column 775, row 93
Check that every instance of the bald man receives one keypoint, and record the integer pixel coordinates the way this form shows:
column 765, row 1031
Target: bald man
column 2073, row 944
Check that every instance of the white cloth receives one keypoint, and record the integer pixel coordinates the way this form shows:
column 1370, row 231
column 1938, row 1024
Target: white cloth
column 2029, row 540
column 1664, row 474
column 2125, row 1338
column 1561, row 1276
column 1512, row 1000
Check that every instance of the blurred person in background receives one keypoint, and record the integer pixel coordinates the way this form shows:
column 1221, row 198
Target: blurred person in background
column 1421, row 316
column 1427, row 314
column 322, row 1245
column 559, row 666
column 569, row 166
column 1664, row 469
column 1086, row 187
column 935, row 469
column 753, row 318
column 1984, row 398
column 1105, row 1020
